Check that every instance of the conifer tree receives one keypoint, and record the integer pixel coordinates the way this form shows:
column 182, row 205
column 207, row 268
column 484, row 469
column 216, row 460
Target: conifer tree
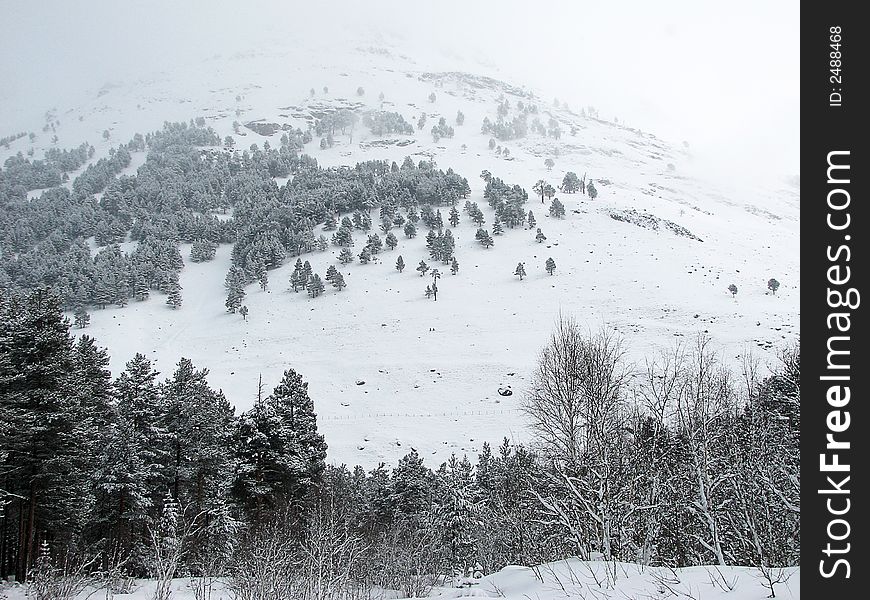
column 591, row 191
column 234, row 285
column 338, row 282
column 557, row 209
column 81, row 317
column 173, row 299
column 365, row 256
column 400, row 264
column 331, row 272
column 531, row 219
column 391, row 241
column 540, row 237
column 428, row 292
column 243, row 310
column 410, row 229
column 484, row 238
column 422, row 268
column 454, row 266
column 520, row 271
column 454, row 217
column 497, row 228
column 315, row 286
column 550, row 265
column 345, row 256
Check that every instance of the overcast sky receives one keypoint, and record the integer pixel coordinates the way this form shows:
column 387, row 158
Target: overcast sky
column 724, row 76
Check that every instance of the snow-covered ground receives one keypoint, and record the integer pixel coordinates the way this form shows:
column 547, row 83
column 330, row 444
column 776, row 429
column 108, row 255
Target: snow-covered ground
column 431, row 370
column 563, row 579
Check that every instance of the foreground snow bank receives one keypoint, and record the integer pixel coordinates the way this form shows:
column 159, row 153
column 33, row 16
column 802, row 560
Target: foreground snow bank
column 605, row 580
column 595, row 580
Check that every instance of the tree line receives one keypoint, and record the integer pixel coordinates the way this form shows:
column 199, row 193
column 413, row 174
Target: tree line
column 681, row 462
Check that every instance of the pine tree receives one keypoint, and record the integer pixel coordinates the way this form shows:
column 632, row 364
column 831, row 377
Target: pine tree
column 322, row 243
column 540, row 188
column 570, row 183
column 557, row 209
column 531, row 219
column 343, row 237
column 540, row 237
column 550, row 265
column 338, row 282
column 365, row 256
column 297, row 280
column 173, row 299
column 306, row 273
column 497, row 228
column 438, row 222
column 428, row 292
column 433, row 244
column 423, row 268
column 520, row 271
column 733, row 289
column 345, row 256
column 454, row 217
column 447, row 246
column 410, row 229
column 484, row 238
column 331, row 272
column 454, row 266
column 234, row 285
column 400, row 264
column 315, row 286
column 81, row 316
column 549, row 163
column 374, row 244
column 773, row 285
column 591, row 191
column 391, row 241
column 243, row 310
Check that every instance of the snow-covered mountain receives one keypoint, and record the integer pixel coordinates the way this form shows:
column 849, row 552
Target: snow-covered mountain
column 651, row 257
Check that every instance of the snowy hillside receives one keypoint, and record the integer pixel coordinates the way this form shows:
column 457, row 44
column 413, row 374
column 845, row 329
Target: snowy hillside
column 651, row 257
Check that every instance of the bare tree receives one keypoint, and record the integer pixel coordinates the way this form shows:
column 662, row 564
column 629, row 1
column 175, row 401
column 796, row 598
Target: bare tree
column 577, row 408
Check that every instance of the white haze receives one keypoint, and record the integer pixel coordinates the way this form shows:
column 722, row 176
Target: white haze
column 722, row 76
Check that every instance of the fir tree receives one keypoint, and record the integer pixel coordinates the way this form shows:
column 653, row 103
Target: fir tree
column 234, row 285
column 374, row 244
column 331, row 272
column 454, row 217
column 484, row 238
column 345, row 256
column 570, row 183
column 591, row 191
column 400, row 264
column 550, row 265
column 315, row 286
column 173, row 299
column 262, row 275
column 557, row 209
column 297, row 277
column 81, row 317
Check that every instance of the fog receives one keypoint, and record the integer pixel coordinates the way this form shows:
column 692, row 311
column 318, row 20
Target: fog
column 722, row 76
